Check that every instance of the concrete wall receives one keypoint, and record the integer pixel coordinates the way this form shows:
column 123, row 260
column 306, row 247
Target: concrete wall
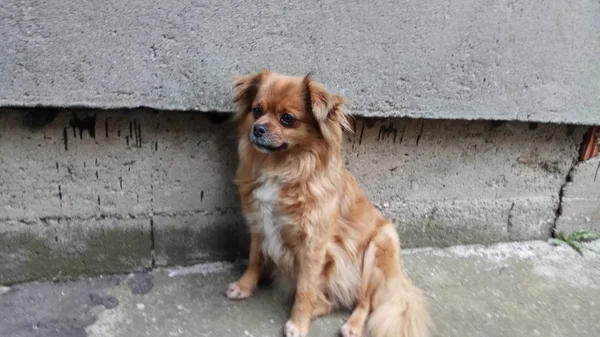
column 112, row 191
column 581, row 198
column 462, row 59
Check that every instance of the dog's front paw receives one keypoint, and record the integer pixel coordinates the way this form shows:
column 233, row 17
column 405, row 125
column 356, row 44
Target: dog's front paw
column 349, row 331
column 292, row 330
column 236, row 291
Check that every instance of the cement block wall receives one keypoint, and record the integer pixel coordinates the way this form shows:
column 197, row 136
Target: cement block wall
column 112, row 191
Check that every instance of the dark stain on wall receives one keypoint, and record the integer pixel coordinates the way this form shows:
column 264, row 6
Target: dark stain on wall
column 86, row 123
column 39, row 117
column 403, row 132
column 420, row 132
column 136, row 133
column 370, row 122
column 386, row 131
column 495, row 124
column 106, row 126
column 218, row 117
column 139, row 135
column 362, row 131
column 66, row 139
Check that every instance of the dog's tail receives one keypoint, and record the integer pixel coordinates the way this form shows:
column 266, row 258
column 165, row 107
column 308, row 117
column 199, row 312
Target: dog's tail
column 400, row 311
column 399, row 307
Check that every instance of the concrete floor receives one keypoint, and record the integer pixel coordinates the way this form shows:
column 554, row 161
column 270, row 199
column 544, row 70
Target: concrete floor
column 508, row 290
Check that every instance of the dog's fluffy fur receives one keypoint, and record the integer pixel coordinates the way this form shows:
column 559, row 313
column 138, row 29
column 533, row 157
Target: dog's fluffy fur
column 309, row 217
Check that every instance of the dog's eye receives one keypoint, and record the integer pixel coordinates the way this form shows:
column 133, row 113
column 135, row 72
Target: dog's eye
column 287, row 119
column 257, row 112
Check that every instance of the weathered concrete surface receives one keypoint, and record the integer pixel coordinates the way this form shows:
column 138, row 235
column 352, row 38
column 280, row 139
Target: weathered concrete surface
column 185, row 239
column 62, row 309
column 54, row 249
column 507, row 60
column 463, row 182
column 580, row 208
column 506, row 290
column 98, row 191
column 55, row 309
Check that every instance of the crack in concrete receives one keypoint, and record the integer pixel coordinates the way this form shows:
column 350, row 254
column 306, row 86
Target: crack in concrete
column 568, row 178
column 420, row 132
column 561, row 193
column 509, row 220
column 152, row 245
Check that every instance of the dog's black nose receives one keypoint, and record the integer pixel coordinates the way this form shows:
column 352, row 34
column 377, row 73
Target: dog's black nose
column 259, row 130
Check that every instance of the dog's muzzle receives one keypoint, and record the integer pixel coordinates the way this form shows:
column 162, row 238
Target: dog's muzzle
column 259, row 137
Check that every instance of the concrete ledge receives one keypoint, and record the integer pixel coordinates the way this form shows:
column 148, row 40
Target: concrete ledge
column 500, row 60
column 120, row 185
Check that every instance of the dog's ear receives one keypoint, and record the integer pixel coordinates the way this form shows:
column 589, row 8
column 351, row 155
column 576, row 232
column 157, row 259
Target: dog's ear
column 329, row 110
column 245, row 89
column 318, row 98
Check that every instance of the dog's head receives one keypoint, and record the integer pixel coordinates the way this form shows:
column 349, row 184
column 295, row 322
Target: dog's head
column 279, row 113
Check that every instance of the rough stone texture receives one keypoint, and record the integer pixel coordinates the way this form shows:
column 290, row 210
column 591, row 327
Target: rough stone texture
column 581, row 200
column 463, row 182
column 508, row 290
column 113, row 186
column 507, row 60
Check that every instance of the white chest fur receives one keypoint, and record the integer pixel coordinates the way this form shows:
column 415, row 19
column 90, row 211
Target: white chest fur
column 265, row 217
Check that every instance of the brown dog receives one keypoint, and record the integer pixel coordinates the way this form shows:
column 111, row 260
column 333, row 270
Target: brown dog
column 309, row 217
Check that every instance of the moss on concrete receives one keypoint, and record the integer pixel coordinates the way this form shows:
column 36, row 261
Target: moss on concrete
column 184, row 240
column 427, row 234
column 74, row 248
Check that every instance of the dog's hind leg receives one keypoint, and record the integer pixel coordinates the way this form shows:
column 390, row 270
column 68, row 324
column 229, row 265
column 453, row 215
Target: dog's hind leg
column 354, row 326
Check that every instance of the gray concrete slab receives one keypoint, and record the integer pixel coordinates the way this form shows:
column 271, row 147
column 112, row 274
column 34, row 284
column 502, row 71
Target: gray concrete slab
column 504, row 290
column 507, row 60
